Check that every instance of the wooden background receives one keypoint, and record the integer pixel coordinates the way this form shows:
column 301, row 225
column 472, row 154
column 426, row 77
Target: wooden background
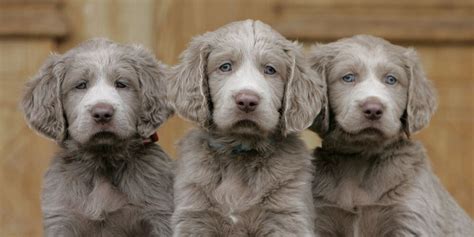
column 441, row 30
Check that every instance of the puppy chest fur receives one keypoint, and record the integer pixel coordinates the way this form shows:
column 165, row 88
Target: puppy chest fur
column 348, row 189
column 245, row 193
column 104, row 198
column 82, row 197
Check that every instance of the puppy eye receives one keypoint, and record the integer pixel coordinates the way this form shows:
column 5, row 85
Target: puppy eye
column 119, row 84
column 349, row 78
column 226, row 67
column 269, row 70
column 82, row 85
column 391, row 80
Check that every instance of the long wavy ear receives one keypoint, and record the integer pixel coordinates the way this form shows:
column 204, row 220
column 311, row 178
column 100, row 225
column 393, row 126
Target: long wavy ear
column 422, row 98
column 41, row 102
column 304, row 93
column 155, row 107
column 319, row 58
column 188, row 90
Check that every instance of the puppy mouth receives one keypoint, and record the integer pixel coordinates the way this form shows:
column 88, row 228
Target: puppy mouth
column 104, row 126
column 370, row 131
column 246, row 126
column 364, row 128
column 245, row 123
column 104, row 138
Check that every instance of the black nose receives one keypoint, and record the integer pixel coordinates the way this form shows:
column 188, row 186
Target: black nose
column 247, row 101
column 102, row 112
column 372, row 109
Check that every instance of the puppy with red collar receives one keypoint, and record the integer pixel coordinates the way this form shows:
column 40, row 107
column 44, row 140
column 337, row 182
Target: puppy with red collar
column 102, row 102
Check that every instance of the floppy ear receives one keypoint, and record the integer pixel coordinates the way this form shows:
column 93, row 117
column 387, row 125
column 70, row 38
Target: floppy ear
column 422, row 101
column 155, row 107
column 304, row 93
column 319, row 58
column 41, row 102
column 188, row 90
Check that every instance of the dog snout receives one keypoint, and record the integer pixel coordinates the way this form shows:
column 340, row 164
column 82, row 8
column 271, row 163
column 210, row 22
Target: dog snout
column 102, row 112
column 247, row 101
column 372, row 108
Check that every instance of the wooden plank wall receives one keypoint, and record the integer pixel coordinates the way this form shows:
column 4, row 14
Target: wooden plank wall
column 441, row 30
column 27, row 33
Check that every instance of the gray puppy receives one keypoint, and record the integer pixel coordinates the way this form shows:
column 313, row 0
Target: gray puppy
column 371, row 178
column 245, row 172
column 101, row 102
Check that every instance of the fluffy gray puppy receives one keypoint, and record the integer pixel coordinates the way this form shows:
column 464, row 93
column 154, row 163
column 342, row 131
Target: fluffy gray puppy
column 101, row 102
column 371, row 179
column 244, row 172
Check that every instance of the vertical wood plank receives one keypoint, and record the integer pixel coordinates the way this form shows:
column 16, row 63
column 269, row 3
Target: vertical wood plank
column 125, row 21
column 449, row 139
column 24, row 154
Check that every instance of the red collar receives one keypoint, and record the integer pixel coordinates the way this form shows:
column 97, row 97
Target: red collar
column 151, row 139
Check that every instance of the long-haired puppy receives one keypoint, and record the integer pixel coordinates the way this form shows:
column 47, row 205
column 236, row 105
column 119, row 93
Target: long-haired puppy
column 371, row 179
column 101, row 102
column 244, row 172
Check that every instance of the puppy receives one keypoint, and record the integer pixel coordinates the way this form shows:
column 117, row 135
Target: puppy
column 371, row 178
column 101, row 102
column 244, row 172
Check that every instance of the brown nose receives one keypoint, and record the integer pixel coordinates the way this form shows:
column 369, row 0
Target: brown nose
column 247, row 100
column 372, row 109
column 102, row 112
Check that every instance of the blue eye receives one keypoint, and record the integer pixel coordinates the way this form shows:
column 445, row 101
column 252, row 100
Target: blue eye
column 391, row 80
column 226, row 67
column 119, row 84
column 82, row 85
column 269, row 70
column 349, row 78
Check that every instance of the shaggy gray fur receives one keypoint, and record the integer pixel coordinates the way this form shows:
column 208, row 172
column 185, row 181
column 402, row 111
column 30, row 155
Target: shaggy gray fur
column 110, row 185
column 244, row 181
column 370, row 184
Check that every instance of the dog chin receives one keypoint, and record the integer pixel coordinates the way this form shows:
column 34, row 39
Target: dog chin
column 366, row 128
column 370, row 132
column 246, row 126
column 106, row 138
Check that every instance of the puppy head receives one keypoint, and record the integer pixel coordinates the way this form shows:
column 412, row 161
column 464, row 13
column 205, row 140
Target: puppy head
column 97, row 92
column 374, row 88
column 245, row 78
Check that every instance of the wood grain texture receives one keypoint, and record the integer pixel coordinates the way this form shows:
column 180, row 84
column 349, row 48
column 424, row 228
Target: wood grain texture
column 6, row 2
column 449, row 139
column 24, row 155
column 32, row 19
column 379, row 4
column 399, row 23
column 125, row 21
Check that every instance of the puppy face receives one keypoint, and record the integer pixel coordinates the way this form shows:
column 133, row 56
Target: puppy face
column 374, row 88
column 97, row 93
column 100, row 95
column 246, row 78
column 246, row 83
column 368, row 89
